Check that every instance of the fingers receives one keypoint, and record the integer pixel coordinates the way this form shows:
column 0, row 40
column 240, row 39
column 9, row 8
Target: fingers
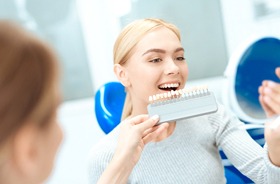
column 270, row 97
column 272, row 104
column 143, row 124
column 137, row 119
column 145, row 128
column 266, row 108
column 272, row 93
column 149, row 123
column 277, row 72
column 147, row 131
column 150, row 130
column 273, row 86
column 155, row 133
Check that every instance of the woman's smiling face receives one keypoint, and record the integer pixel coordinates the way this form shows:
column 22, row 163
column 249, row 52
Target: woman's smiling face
column 157, row 65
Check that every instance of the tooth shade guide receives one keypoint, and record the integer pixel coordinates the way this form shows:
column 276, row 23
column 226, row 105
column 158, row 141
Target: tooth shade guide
column 172, row 95
column 190, row 103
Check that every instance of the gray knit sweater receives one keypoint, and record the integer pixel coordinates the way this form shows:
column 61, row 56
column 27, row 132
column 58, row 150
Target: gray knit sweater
column 191, row 154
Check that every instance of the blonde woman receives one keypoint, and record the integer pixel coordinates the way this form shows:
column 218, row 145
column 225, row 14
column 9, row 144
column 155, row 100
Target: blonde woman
column 150, row 59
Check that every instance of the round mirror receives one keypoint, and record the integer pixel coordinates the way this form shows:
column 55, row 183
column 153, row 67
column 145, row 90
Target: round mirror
column 253, row 62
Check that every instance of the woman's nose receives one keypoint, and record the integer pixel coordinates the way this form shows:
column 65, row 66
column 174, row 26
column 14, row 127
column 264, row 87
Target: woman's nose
column 171, row 67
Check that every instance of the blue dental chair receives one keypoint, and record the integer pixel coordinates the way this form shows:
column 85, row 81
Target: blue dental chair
column 109, row 101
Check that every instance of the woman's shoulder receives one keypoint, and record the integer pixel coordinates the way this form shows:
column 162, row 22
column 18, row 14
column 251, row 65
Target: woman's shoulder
column 224, row 118
column 223, row 112
column 105, row 147
column 100, row 155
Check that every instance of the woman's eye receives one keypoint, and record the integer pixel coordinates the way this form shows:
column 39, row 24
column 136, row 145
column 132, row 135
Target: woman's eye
column 180, row 59
column 156, row 60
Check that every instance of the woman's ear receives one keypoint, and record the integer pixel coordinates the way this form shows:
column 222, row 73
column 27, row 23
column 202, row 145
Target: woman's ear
column 24, row 152
column 122, row 74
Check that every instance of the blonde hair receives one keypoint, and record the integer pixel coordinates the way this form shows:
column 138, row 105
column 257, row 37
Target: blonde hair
column 28, row 80
column 128, row 39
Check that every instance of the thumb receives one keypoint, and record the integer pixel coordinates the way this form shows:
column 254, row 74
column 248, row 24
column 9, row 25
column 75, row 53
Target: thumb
column 277, row 72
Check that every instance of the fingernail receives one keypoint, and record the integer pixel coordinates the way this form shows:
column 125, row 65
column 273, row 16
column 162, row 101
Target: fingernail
column 155, row 117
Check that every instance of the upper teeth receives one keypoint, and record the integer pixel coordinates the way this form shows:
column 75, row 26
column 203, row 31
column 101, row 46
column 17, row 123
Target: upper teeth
column 174, row 85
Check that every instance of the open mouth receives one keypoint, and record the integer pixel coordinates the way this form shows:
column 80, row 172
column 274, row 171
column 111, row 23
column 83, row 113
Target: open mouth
column 171, row 90
column 169, row 87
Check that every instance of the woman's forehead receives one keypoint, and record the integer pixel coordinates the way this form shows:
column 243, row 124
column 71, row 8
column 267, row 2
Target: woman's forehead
column 161, row 39
column 158, row 34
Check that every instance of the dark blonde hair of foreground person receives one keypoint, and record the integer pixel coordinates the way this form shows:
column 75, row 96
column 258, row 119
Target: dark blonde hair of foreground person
column 29, row 96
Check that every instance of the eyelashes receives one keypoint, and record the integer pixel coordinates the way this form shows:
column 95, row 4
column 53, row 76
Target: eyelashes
column 156, row 60
column 180, row 58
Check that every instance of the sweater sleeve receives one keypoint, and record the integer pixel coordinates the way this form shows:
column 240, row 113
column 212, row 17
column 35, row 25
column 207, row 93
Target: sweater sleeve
column 98, row 161
column 100, row 156
column 242, row 151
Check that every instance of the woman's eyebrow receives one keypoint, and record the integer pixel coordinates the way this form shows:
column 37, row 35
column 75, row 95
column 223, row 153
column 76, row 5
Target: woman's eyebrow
column 154, row 50
column 162, row 51
column 179, row 49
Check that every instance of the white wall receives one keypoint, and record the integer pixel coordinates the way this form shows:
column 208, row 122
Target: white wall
column 200, row 24
column 240, row 23
column 100, row 28
column 102, row 24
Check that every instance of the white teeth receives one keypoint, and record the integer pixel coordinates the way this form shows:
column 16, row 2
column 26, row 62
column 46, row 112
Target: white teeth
column 186, row 93
column 154, row 97
column 169, row 94
column 172, row 85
